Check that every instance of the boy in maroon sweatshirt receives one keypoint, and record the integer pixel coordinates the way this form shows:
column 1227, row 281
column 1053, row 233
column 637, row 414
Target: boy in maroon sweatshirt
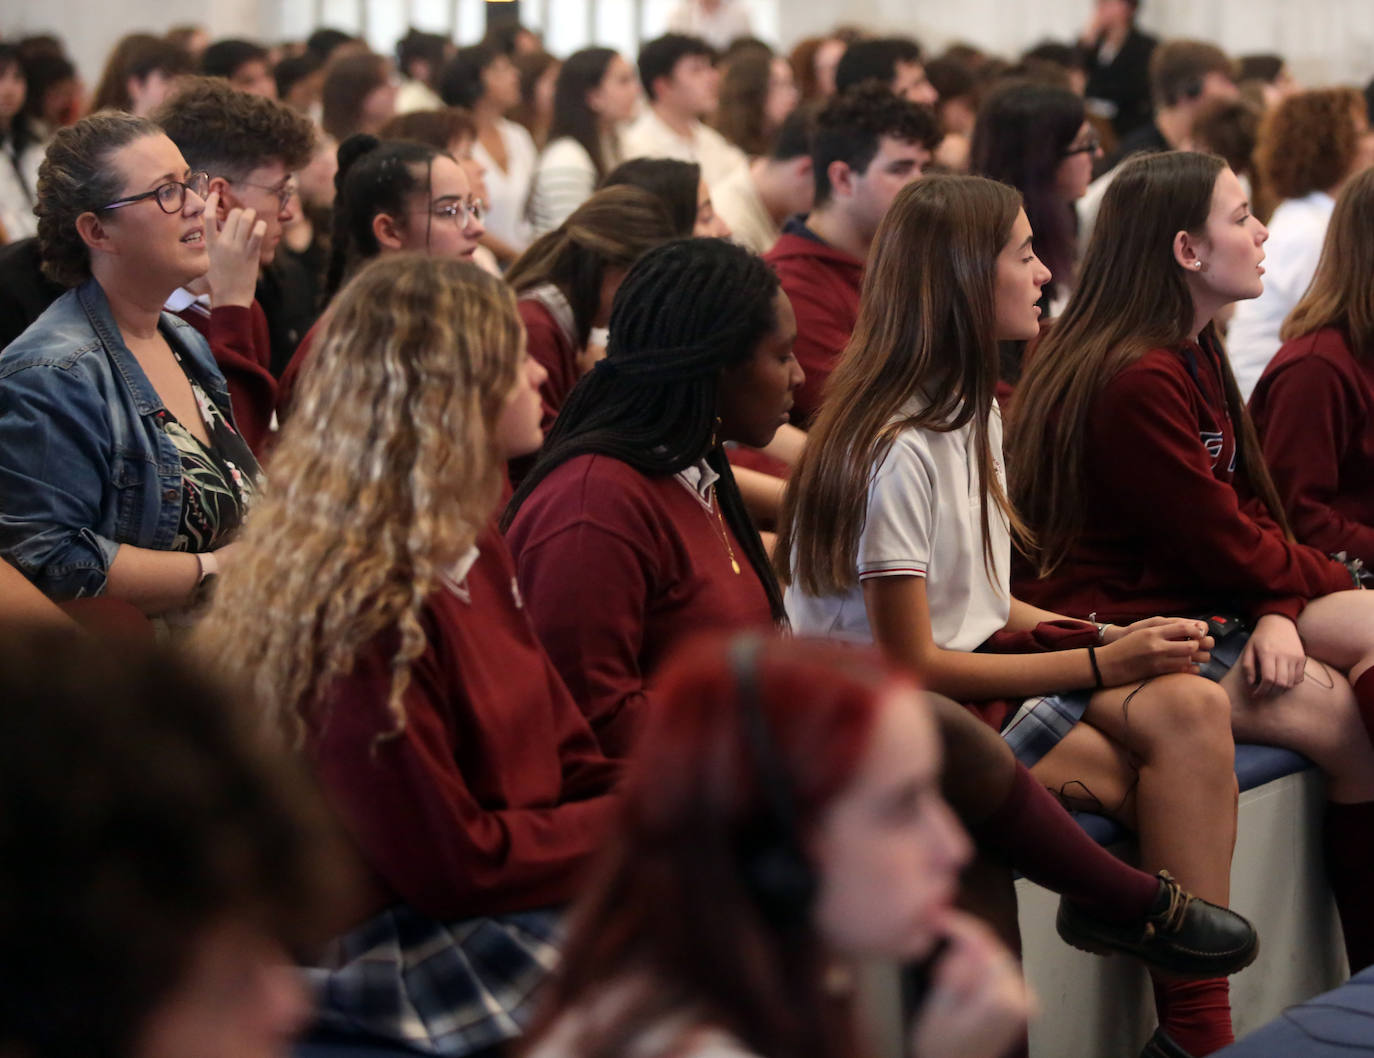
column 867, row 145
column 251, row 147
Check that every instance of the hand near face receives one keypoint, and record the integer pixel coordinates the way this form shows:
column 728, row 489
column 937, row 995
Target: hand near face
column 235, row 245
column 978, row 1004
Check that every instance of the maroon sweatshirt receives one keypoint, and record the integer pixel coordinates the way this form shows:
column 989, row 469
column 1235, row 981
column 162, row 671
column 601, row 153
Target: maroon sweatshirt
column 242, row 348
column 494, row 795
column 553, row 347
column 290, row 376
column 1166, row 531
column 1314, row 409
column 823, row 285
column 618, row 568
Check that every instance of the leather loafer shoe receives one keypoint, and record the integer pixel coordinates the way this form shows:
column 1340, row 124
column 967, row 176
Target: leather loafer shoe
column 1182, row 935
column 1161, row 1045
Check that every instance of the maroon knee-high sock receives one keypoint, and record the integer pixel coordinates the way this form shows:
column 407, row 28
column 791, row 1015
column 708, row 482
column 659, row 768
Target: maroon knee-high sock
column 1041, row 840
column 1348, row 841
column 1364, row 698
column 1195, row 1014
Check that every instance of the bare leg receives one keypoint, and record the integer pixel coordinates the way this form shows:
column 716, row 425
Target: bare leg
column 1339, row 629
column 1174, row 734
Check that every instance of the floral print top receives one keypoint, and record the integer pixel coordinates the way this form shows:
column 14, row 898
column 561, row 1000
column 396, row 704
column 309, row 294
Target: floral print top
column 219, row 481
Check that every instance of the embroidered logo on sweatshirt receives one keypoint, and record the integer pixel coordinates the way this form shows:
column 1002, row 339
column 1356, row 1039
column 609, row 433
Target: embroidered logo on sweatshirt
column 1214, row 441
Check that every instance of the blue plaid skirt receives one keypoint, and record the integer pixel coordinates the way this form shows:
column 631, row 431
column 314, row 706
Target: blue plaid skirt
column 442, row 988
column 1040, row 723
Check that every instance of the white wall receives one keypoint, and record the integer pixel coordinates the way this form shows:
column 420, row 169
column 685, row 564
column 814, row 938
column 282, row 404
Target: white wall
column 1325, row 40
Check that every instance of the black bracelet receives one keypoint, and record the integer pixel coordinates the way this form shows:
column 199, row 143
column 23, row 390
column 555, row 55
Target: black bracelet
column 1097, row 673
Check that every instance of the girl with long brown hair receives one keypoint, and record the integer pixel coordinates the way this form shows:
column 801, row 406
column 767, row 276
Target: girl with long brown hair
column 1312, row 404
column 897, row 530
column 1136, row 467
column 377, row 603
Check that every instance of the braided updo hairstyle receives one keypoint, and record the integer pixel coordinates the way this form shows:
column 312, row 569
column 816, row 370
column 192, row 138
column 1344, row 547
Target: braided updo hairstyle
column 375, row 176
column 686, row 311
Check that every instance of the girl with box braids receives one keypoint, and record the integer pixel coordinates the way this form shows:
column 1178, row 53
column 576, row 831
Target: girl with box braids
column 686, row 311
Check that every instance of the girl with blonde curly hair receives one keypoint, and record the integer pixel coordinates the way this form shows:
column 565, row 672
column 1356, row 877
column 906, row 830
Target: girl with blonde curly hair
column 379, row 605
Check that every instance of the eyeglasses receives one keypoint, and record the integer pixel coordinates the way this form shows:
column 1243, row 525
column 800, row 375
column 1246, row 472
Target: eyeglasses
column 282, row 192
column 1089, row 146
column 171, row 196
column 460, row 212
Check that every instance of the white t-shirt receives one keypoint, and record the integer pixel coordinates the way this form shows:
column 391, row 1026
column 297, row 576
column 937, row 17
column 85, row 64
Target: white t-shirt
column 718, row 28
column 564, row 178
column 924, row 521
column 1296, row 233
column 736, row 201
column 509, row 189
column 650, row 137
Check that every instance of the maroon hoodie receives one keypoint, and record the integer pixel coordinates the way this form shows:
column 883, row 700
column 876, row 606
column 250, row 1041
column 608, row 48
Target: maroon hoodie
column 823, row 285
column 239, row 341
column 1314, row 409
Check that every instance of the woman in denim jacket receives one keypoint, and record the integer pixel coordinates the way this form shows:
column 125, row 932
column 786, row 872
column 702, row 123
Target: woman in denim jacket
column 121, row 471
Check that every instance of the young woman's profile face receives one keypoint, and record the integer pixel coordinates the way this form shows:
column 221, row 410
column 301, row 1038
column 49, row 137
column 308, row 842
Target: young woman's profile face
column 889, row 849
column 1020, row 275
column 616, row 98
column 756, row 396
column 519, row 430
column 709, row 224
column 1231, row 249
column 441, row 225
column 1075, row 171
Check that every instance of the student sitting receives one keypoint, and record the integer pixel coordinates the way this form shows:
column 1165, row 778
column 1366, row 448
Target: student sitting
column 866, row 146
column 1314, row 405
column 757, row 201
column 595, row 93
column 893, row 62
column 388, row 639
column 896, row 530
column 391, row 196
column 567, row 280
column 159, row 866
column 751, row 873
column 1137, row 470
column 683, row 88
column 252, row 148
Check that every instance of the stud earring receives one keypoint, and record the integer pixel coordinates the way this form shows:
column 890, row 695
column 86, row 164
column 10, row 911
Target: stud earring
column 1197, row 265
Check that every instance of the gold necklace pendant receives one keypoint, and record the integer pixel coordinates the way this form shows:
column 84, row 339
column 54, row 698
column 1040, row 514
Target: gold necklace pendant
column 724, row 533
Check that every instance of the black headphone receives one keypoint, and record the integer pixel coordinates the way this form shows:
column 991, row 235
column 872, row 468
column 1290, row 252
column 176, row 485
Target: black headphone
column 776, row 869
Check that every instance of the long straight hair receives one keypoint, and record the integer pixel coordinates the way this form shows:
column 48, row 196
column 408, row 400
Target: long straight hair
column 582, row 73
column 927, row 330
column 1131, row 297
column 1342, row 291
column 687, row 310
column 612, row 229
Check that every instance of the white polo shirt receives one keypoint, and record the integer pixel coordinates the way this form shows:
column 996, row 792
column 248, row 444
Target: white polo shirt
column 924, row 521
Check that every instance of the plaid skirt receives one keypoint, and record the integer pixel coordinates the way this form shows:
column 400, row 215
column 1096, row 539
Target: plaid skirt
column 1037, row 727
column 445, row 988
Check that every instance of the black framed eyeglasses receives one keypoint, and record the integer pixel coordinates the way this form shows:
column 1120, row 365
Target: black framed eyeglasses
column 1089, row 146
column 282, row 192
column 171, row 196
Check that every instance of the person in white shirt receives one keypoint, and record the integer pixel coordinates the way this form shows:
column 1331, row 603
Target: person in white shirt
column 419, row 58
column 755, row 202
column 596, row 91
column 21, row 151
column 487, row 84
column 680, row 78
column 1308, row 148
column 718, row 22
column 896, row 530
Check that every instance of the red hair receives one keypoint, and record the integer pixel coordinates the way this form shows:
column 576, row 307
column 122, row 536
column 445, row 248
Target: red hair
column 669, row 905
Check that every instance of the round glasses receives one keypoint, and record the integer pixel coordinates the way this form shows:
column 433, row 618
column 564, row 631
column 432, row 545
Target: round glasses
column 171, row 196
column 459, row 212
column 1089, row 146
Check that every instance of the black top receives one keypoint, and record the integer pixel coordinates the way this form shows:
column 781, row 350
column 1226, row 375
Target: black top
column 1124, row 83
column 1145, row 140
column 24, row 291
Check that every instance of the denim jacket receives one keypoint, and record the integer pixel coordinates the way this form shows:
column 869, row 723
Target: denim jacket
column 84, row 464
